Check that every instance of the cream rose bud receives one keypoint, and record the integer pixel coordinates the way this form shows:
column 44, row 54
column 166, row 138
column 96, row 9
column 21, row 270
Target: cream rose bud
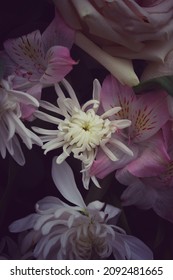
column 81, row 16
column 124, row 28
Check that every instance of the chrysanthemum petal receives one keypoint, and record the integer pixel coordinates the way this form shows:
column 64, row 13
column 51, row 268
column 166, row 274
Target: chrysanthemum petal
column 64, row 180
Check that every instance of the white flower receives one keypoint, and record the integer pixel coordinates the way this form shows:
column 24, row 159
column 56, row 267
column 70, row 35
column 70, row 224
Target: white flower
column 11, row 122
column 83, row 129
column 60, row 231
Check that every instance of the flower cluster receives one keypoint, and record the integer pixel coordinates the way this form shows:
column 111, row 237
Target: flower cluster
column 94, row 90
column 60, row 231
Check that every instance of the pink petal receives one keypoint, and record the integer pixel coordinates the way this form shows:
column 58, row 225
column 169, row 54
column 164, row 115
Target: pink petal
column 59, row 64
column 136, row 193
column 167, row 134
column 113, row 94
column 139, row 195
column 149, row 114
column 58, row 34
column 102, row 165
column 27, row 51
column 28, row 110
column 162, row 199
column 152, row 160
column 163, row 204
column 146, row 194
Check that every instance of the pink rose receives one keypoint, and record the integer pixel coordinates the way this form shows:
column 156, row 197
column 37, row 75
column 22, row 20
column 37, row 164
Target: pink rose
column 126, row 28
column 130, row 29
column 93, row 27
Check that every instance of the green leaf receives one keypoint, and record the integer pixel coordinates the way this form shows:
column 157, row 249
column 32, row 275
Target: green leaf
column 164, row 82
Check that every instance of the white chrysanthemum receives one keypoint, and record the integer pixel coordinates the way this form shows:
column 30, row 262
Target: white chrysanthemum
column 60, row 231
column 11, row 123
column 83, row 129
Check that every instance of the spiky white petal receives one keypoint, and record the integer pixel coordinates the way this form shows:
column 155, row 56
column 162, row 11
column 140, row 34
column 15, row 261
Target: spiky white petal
column 81, row 131
column 11, row 122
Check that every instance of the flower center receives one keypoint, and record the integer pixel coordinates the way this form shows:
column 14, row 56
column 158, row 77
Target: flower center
column 85, row 130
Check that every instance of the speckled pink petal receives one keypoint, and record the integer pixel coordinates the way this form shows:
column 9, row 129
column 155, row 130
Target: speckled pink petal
column 152, row 160
column 102, row 165
column 148, row 115
column 59, row 64
column 27, row 51
column 113, row 93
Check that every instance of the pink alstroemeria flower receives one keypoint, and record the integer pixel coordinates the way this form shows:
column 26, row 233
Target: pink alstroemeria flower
column 153, row 192
column 38, row 60
column 148, row 113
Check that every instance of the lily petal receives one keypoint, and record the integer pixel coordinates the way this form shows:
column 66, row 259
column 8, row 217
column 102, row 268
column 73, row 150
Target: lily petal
column 113, row 93
column 102, row 165
column 153, row 159
column 149, row 114
column 27, row 51
column 59, row 64
column 58, row 34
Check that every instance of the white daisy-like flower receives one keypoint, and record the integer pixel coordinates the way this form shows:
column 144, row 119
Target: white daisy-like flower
column 83, row 129
column 11, row 123
column 60, row 231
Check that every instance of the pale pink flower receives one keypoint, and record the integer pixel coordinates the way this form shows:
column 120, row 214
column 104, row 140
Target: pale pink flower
column 37, row 60
column 148, row 113
column 154, row 192
column 60, row 231
column 11, row 124
column 83, row 130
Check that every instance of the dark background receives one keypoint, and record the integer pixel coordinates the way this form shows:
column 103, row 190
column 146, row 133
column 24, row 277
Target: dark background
column 22, row 187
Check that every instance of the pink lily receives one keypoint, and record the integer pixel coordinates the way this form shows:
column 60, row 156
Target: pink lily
column 38, row 60
column 148, row 113
column 154, row 192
